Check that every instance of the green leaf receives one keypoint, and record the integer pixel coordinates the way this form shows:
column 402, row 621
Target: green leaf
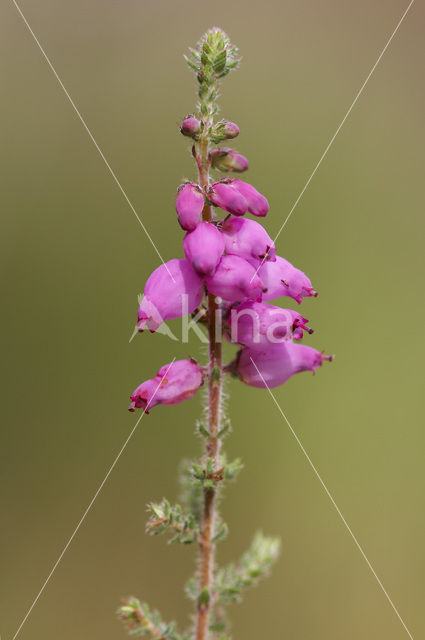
column 164, row 517
column 190, row 493
column 138, row 619
column 254, row 565
column 225, row 430
column 221, row 533
column 202, row 429
column 198, row 471
column 215, row 374
column 210, row 466
column 204, row 597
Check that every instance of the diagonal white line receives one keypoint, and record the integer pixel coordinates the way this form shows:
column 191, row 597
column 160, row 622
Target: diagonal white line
column 341, row 124
column 319, row 477
column 102, row 155
column 360, row 91
column 45, row 583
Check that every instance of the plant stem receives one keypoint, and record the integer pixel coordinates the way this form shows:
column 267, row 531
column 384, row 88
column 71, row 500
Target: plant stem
column 207, row 547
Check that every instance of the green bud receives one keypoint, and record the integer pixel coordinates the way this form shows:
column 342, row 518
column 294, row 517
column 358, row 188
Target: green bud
column 204, row 597
column 215, row 374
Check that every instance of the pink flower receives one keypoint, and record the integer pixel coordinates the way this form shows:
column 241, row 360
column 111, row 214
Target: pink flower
column 189, row 205
column 249, row 240
column 203, row 247
column 171, row 291
column 277, row 363
column 281, row 278
column 226, row 159
column 190, row 126
column 235, row 280
column 258, row 325
column 224, row 195
column 257, row 203
column 173, row 384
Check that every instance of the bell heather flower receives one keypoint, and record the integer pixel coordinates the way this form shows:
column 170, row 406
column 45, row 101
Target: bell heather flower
column 235, row 280
column 190, row 126
column 249, row 240
column 226, row 159
column 281, row 278
column 173, row 384
column 224, row 195
column 257, row 203
column 277, row 363
column 258, row 325
column 203, row 247
column 166, row 298
column 189, row 205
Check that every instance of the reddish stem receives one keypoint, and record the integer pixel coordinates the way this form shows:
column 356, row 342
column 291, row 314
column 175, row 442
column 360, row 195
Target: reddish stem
column 207, row 547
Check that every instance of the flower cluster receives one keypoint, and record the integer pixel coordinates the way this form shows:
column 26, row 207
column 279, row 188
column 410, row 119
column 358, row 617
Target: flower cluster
column 232, row 257
column 226, row 281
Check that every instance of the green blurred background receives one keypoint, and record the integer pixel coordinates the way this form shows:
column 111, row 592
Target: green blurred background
column 74, row 259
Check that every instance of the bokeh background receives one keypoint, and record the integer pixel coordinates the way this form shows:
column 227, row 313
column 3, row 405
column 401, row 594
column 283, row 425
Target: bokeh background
column 74, row 259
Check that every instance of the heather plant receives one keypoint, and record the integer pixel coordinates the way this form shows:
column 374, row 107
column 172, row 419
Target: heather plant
column 228, row 275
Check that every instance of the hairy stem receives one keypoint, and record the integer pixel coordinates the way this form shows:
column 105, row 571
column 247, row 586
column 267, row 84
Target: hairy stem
column 207, row 547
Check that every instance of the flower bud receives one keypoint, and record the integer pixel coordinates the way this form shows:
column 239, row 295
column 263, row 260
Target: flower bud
column 190, row 127
column 189, row 205
column 204, row 247
column 224, row 195
column 258, row 325
column 257, row 203
column 226, row 159
column 235, row 280
column 281, row 278
column 249, row 240
column 224, row 130
column 171, row 291
column 173, row 384
column 274, row 365
column 230, row 130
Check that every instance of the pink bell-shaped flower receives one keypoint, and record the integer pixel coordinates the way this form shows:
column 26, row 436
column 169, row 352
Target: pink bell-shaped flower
column 235, row 280
column 257, row 203
column 203, row 247
column 224, row 195
column 281, row 278
column 258, row 325
column 189, row 205
column 249, row 240
column 274, row 365
column 173, row 384
column 171, row 291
